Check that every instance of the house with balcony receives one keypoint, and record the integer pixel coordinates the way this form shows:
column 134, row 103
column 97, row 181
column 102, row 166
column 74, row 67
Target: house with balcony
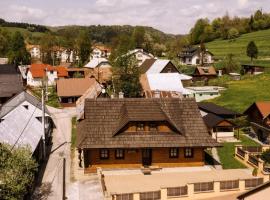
column 258, row 114
column 192, row 56
column 131, row 133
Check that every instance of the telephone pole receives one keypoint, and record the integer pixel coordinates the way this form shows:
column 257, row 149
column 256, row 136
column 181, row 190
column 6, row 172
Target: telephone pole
column 43, row 123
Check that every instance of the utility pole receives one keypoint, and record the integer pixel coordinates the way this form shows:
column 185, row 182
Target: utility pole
column 46, row 84
column 43, row 123
column 64, row 178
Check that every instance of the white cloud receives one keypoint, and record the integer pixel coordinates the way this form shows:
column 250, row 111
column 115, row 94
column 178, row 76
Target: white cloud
column 242, row 2
column 171, row 16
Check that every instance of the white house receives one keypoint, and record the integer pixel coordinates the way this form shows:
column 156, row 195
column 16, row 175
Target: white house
column 100, row 51
column 192, row 56
column 34, row 51
column 98, row 62
column 164, row 82
column 20, row 121
column 202, row 93
column 37, row 72
column 67, row 56
column 140, row 55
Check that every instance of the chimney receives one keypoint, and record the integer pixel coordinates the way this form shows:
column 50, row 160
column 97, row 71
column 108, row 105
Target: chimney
column 121, row 95
column 156, row 94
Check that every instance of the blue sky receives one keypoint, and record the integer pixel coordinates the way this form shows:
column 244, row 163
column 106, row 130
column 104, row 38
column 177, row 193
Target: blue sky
column 170, row 16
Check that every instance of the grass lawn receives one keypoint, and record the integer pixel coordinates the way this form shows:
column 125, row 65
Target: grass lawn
column 220, row 48
column 226, row 153
column 53, row 100
column 241, row 94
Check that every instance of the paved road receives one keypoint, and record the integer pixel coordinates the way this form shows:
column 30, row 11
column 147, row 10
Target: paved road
column 51, row 188
column 52, row 181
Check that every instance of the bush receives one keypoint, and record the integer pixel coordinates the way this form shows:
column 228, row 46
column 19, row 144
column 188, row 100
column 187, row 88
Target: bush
column 266, row 156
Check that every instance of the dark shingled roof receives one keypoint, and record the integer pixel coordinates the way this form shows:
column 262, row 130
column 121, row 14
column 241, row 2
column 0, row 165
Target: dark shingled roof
column 104, row 119
column 217, row 110
column 10, row 81
column 146, row 65
column 212, row 120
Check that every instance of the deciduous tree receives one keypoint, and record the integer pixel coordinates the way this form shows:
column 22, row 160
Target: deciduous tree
column 17, row 170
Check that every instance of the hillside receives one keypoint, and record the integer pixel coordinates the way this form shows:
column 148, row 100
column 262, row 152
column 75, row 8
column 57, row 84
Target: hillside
column 241, row 94
column 220, row 48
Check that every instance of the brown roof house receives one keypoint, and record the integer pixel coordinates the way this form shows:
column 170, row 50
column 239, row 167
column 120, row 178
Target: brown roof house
column 70, row 90
column 204, row 73
column 259, row 116
column 130, row 133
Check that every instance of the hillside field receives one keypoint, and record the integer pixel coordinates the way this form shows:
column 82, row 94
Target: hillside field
column 220, row 48
column 241, row 94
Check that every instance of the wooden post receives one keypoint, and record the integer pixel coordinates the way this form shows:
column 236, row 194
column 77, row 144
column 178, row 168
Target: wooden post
column 64, row 178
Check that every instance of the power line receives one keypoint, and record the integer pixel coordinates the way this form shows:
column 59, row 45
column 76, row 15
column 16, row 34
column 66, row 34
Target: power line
column 24, row 128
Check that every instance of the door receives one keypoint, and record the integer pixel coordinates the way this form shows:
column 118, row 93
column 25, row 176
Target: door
column 146, row 157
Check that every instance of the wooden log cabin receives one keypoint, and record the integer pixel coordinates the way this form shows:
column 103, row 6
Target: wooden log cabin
column 131, row 133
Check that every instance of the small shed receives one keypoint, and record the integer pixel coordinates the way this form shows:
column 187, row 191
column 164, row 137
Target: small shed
column 235, row 76
column 252, row 69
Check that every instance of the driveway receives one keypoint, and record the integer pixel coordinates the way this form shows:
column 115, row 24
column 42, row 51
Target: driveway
column 52, row 181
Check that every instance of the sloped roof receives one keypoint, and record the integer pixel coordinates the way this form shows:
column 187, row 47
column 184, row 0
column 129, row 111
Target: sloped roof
column 262, row 106
column 38, row 70
column 191, row 51
column 74, row 86
column 104, row 116
column 95, row 62
column 17, row 100
column 21, row 129
column 167, row 82
column 215, row 109
column 211, row 120
column 157, row 66
column 206, row 71
column 10, row 81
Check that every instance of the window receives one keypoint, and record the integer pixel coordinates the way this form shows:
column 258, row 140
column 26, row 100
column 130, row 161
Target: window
column 124, row 197
column 150, row 195
column 104, row 154
column 229, row 185
column 152, row 127
column 140, row 127
column 119, row 154
column 177, row 191
column 203, row 187
column 188, row 153
column 26, row 107
column 174, row 152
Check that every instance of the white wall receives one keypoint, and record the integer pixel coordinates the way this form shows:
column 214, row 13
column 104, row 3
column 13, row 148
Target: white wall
column 201, row 96
column 37, row 82
column 141, row 57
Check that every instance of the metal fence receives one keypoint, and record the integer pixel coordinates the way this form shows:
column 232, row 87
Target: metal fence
column 177, row 191
column 156, row 195
column 250, row 183
column 124, row 197
column 204, row 186
column 252, row 149
column 254, row 160
column 240, row 152
column 229, row 185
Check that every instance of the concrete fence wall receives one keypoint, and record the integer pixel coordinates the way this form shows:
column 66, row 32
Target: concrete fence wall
column 216, row 189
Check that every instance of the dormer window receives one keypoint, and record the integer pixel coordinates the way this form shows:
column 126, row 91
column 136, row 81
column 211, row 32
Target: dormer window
column 26, row 107
column 152, row 127
column 140, row 126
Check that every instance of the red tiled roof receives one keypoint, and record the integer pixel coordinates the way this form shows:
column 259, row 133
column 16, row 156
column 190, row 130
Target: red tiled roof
column 264, row 108
column 38, row 70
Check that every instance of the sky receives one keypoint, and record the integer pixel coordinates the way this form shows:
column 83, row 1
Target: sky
column 170, row 16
